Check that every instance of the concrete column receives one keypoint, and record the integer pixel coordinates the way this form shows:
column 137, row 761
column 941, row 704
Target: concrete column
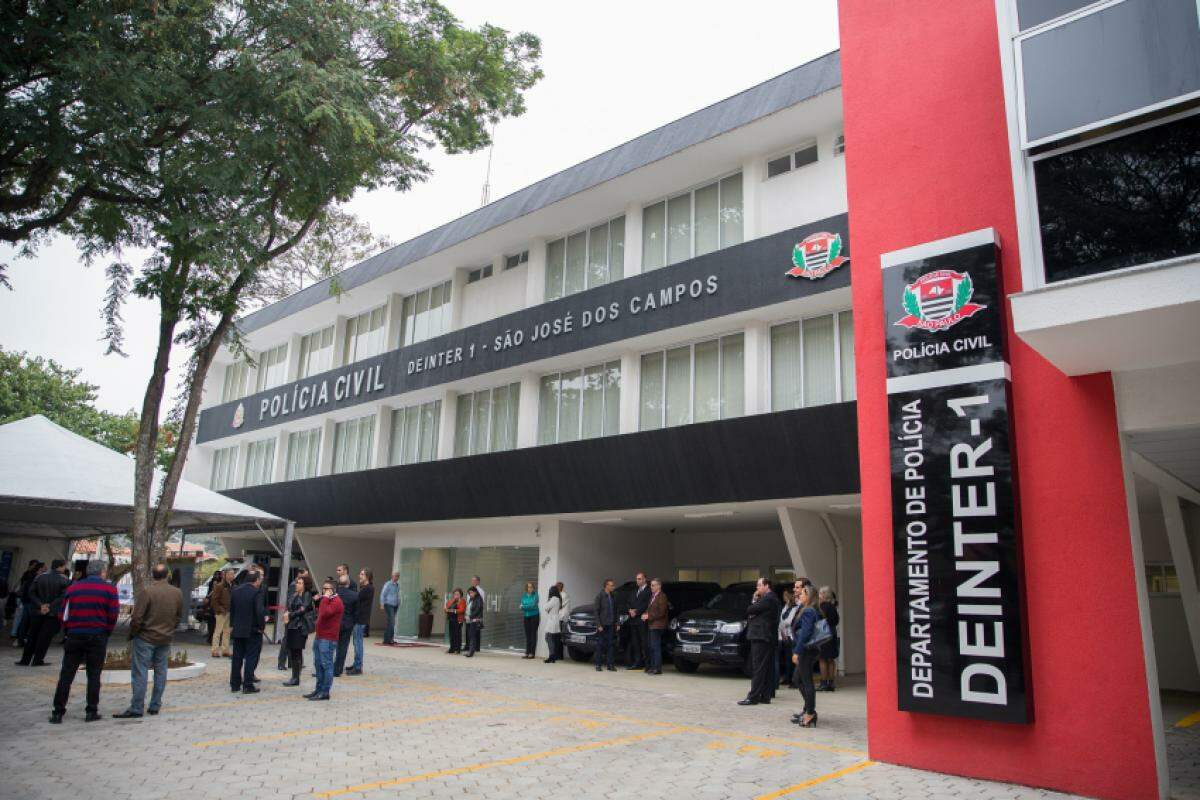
column 252, row 373
column 279, row 468
column 293, row 358
column 325, row 460
column 458, row 285
column 339, row 342
column 631, row 383
column 445, row 445
column 394, row 321
column 535, row 274
column 633, row 239
column 528, row 410
column 757, row 368
column 754, row 170
column 811, row 543
column 1181, row 555
column 383, row 435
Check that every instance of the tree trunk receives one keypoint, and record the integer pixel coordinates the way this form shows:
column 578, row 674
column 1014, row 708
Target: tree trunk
column 142, row 546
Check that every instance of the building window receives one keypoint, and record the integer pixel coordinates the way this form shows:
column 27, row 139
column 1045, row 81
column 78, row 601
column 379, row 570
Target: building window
column 235, row 381
column 581, row 404
column 694, row 383
column 839, row 145
column 415, row 433
column 722, row 575
column 353, row 442
column 316, row 352
column 693, row 223
column 260, row 462
column 812, row 362
column 364, row 336
column 303, row 450
column 476, row 275
column 514, row 261
column 586, row 259
column 1161, row 578
column 272, row 367
column 1120, row 203
column 486, row 421
column 224, row 469
column 426, row 314
column 800, row 157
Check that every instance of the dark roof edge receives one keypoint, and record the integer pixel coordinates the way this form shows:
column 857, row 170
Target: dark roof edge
column 812, row 78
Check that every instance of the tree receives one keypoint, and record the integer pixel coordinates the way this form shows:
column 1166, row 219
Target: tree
column 253, row 118
column 35, row 385
column 337, row 240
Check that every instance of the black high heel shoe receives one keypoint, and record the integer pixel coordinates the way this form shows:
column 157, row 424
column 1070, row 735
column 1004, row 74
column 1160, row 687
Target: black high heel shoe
column 812, row 723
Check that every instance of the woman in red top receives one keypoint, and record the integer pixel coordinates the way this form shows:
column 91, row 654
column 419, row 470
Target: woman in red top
column 329, row 623
column 456, row 609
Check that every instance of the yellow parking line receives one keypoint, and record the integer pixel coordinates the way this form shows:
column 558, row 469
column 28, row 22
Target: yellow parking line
column 828, row 748
column 1189, row 720
column 504, row 762
column 265, row 700
column 358, row 726
column 814, row 781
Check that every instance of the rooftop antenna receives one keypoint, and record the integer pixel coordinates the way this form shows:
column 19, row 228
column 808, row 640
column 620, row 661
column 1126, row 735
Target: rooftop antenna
column 487, row 178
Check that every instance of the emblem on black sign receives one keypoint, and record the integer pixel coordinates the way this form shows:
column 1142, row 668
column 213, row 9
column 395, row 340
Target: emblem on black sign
column 817, row 256
column 939, row 300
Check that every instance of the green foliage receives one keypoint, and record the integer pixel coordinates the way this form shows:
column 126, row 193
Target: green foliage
column 427, row 596
column 910, row 303
column 35, row 385
column 964, row 291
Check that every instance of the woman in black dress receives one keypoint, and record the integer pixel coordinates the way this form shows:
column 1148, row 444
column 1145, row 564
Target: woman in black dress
column 830, row 650
column 300, row 619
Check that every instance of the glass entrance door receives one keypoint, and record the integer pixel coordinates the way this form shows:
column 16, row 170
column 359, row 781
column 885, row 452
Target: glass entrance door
column 410, row 591
column 503, row 572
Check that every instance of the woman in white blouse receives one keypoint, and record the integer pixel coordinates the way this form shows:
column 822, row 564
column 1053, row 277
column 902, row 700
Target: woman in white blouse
column 552, row 614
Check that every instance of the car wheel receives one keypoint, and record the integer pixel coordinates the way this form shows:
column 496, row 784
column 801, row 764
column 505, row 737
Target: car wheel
column 686, row 666
column 578, row 655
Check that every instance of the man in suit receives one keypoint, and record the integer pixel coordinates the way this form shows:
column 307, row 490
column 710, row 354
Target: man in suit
column 638, row 644
column 46, row 596
column 606, row 630
column 349, row 597
column 657, row 613
column 247, row 619
column 762, row 631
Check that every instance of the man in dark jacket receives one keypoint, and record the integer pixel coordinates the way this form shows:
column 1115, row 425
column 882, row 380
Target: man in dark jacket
column 46, row 596
column 762, row 631
column 362, row 617
column 247, row 618
column 349, row 599
column 157, row 612
column 606, row 626
column 639, row 601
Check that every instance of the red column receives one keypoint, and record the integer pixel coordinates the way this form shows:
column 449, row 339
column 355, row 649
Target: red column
column 927, row 157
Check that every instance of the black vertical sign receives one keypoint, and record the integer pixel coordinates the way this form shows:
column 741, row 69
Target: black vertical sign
column 960, row 638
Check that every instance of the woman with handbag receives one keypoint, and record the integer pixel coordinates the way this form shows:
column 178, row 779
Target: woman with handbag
column 456, row 609
column 552, row 611
column 299, row 619
column 830, row 650
column 804, row 656
column 474, row 621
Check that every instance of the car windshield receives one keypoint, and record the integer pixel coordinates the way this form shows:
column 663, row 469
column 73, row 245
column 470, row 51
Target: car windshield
column 737, row 602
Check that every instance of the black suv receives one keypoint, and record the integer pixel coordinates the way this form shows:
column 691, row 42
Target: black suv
column 579, row 628
column 715, row 633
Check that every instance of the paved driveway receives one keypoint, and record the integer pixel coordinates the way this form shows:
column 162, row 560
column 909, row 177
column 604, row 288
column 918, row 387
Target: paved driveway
column 421, row 723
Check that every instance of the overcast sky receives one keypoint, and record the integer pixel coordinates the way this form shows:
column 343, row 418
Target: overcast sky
column 613, row 71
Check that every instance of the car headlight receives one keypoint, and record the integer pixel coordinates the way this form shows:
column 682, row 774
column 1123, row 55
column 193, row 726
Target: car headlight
column 731, row 627
column 673, row 624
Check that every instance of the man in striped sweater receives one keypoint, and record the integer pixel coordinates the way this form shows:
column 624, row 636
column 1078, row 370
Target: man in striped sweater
column 89, row 614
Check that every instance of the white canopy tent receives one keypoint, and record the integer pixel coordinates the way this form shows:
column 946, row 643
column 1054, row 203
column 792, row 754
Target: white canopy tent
column 57, row 484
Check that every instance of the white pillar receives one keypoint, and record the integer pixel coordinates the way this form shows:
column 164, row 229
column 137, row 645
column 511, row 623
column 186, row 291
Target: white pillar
column 339, row 342
column 527, row 411
column 279, row 468
column 383, row 435
column 535, row 274
column 445, row 444
column 757, row 368
column 753, row 172
column 633, row 239
column 325, row 461
column 1185, row 569
column 811, row 544
column 458, row 285
column 239, row 470
column 293, row 358
column 252, row 372
column 631, row 384
column 395, row 319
